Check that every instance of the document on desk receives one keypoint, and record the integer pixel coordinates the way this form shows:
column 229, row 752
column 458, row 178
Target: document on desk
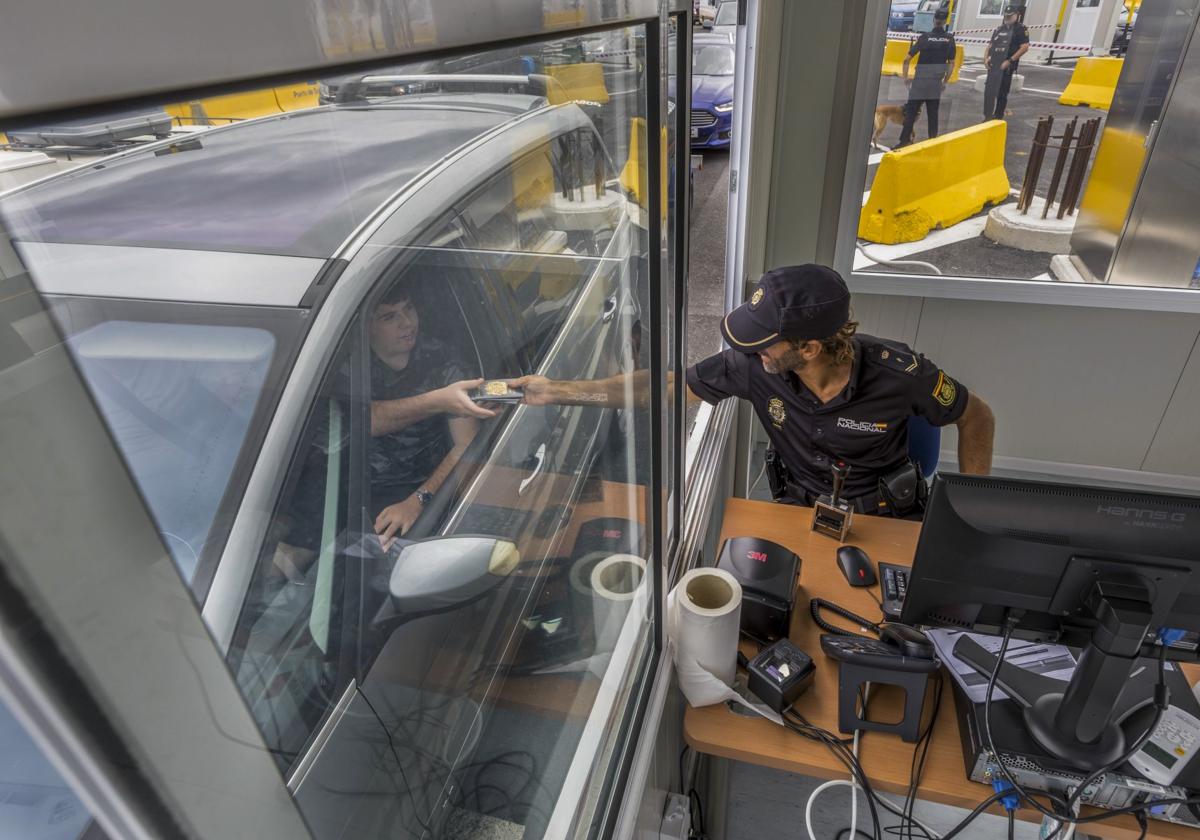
column 1048, row 660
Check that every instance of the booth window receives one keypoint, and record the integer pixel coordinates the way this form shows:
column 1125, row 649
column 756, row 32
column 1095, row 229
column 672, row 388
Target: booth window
column 1034, row 152
column 301, row 329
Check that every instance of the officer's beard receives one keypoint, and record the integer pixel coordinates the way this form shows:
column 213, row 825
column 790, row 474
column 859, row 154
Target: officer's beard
column 793, row 359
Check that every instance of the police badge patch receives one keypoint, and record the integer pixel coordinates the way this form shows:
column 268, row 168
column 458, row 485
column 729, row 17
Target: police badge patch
column 777, row 411
column 756, row 298
column 944, row 391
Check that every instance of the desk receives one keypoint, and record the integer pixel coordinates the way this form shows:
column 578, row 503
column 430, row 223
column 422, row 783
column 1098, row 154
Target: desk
column 717, row 731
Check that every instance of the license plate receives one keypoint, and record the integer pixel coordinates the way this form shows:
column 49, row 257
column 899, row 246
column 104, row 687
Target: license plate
column 695, row 133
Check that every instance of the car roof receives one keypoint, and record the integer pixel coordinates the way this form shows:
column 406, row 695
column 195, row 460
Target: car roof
column 710, row 38
column 295, row 185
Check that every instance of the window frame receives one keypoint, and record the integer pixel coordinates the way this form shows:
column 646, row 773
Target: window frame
column 1052, row 293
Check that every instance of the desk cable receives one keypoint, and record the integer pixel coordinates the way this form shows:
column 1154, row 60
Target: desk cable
column 812, row 797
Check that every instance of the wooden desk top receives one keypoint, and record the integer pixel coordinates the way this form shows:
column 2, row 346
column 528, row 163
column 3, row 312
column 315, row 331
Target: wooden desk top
column 717, row 731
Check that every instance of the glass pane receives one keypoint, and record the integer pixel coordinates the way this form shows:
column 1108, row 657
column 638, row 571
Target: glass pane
column 35, row 802
column 182, row 388
column 1002, row 150
column 419, row 591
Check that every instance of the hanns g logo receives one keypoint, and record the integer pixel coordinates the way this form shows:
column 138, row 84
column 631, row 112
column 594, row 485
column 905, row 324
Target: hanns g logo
column 1142, row 514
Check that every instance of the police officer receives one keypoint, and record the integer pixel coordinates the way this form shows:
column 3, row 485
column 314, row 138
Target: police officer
column 1009, row 42
column 936, row 60
column 823, row 392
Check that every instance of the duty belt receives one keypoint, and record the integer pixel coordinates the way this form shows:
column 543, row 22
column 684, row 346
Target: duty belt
column 869, row 503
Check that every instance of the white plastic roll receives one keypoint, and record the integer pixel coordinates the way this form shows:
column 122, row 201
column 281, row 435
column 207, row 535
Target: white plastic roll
column 704, row 614
column 615, row 582
column 708, row 612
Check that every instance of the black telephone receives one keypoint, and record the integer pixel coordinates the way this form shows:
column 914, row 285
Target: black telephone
column 901, row 656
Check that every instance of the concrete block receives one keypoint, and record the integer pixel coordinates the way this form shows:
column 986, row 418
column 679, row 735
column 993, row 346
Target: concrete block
column 1030, row 232
column 1018, row 82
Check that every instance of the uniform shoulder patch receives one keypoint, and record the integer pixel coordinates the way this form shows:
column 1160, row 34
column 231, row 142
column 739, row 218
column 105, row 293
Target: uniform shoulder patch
column 893, row 358
column 944, row 390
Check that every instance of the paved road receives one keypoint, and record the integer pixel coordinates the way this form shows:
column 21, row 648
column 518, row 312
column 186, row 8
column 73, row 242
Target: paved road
column 706, row 264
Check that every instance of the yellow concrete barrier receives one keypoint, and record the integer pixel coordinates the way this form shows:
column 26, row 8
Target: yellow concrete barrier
column 893, row 57
column 218, row 110
column 895, row 51
column 575, row 83
column 1114, row 178
column 633, row 174
column 935, row 183
column 1093, row 82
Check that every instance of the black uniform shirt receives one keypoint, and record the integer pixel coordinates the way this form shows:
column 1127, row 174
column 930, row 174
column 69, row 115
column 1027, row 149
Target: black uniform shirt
column 937, row 55
column 1005, row 41
column 866, row 425
column 936, row 49
column 400, row 462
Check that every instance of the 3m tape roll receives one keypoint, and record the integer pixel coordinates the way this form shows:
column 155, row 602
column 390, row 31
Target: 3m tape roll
column 614, row 581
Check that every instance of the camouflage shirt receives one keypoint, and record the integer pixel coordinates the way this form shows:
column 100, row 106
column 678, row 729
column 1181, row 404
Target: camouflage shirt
column 400, row 462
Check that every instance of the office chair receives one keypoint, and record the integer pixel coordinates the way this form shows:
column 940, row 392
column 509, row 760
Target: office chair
column 924, row 444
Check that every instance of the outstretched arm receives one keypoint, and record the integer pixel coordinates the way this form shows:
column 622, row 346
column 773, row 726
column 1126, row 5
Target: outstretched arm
column 389, row 416
column 976, row 428
column 625, row 390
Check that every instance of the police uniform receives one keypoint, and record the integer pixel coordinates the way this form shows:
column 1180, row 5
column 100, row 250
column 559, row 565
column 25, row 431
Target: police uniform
column 936, row 50
column 865, row 426
column 1005, row 41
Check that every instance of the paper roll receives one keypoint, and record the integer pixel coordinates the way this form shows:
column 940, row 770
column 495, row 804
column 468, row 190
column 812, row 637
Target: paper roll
column 580, row 579
column 614, row 581
column 707, row 606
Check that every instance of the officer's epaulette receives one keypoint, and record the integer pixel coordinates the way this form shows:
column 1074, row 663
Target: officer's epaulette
column 893, row 358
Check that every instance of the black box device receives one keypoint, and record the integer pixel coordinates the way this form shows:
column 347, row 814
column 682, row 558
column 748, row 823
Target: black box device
column 780, row 674
column 767, row 572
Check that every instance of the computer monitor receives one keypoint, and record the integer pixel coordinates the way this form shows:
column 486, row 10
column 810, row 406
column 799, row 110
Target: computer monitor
column 1100, row 568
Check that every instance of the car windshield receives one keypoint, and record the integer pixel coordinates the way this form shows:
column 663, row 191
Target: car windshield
column 179, row 387
column 727, row 14
column 712, row 60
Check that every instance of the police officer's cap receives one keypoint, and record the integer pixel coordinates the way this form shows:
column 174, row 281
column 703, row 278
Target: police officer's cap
column 795, row 302
column 941, row 14
column 1012, row 9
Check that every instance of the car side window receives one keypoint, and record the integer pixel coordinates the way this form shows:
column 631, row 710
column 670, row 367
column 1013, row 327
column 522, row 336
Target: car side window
column 296, row 642
column 536, row 223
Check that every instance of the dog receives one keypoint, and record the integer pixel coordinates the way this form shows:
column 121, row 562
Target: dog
column 885, row 114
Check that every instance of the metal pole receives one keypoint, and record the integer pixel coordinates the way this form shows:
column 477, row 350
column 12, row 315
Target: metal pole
column 1068, row 134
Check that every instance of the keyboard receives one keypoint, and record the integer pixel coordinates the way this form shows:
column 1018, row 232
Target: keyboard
column 893, row 583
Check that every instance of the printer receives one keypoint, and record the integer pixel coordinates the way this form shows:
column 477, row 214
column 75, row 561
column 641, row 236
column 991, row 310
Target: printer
column 767, row 572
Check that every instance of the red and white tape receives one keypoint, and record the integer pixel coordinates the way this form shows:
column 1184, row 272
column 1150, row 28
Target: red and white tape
column 1033, row 45
column 958, row 32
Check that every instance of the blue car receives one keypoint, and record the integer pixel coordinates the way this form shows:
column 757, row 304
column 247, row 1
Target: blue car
column 712, row 92
column 901, row 16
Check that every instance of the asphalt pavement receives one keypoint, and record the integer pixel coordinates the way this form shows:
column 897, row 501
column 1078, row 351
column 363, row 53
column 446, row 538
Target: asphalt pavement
column 706, row 260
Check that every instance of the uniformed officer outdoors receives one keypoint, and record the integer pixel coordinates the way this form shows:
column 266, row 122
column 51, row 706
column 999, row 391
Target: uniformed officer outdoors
column 936, row 61
column 1009, row 42
column 823, row 392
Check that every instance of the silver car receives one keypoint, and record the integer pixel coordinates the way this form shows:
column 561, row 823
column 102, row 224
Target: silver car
column 216, row 294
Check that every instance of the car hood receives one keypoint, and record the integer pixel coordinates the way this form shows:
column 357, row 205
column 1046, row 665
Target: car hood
column 709, row 90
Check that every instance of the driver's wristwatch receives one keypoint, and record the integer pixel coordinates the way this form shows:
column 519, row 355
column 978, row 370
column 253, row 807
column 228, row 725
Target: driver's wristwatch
column 423, row 496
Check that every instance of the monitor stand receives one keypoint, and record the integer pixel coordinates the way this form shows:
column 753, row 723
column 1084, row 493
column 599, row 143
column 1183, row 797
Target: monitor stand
column 1079, row 721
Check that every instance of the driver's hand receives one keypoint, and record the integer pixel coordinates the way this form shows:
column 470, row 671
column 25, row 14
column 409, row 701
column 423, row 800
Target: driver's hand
column 538, row 390
column 394, row 520
column 455, row 399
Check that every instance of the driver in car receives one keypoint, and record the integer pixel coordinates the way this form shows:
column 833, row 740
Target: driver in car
column 422, row 415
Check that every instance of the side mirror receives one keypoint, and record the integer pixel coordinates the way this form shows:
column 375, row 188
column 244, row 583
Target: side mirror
column 445, row 573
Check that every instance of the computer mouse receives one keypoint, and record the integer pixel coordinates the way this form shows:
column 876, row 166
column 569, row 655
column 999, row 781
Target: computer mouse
column 856, row 566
